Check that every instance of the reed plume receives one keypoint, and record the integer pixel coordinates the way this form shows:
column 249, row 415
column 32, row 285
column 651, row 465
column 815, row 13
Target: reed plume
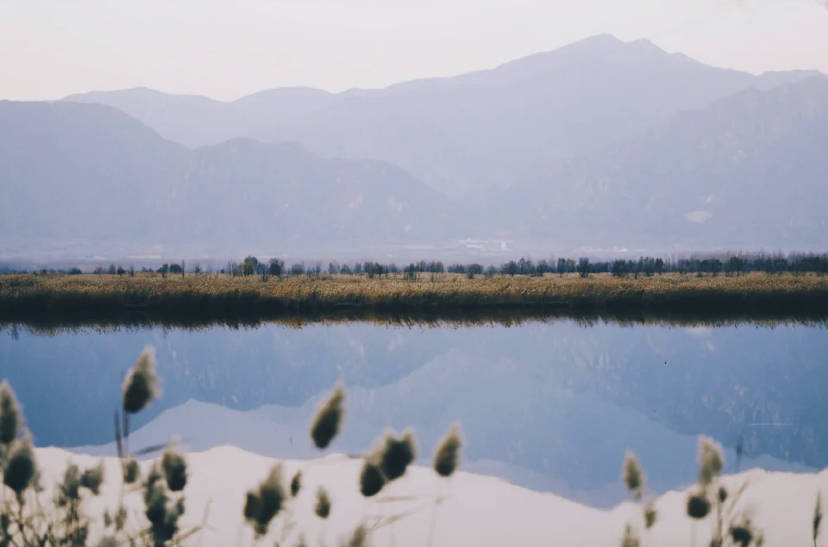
column 296, row 484
column 371, row 479
column 633, row 475
column 447, row 456
column 325, row 425
column 20, row 466
column 397, row 453
column 10, row 416
column 175, row 468
column 141, row 384
column 323, row 503
column 711, row 461
column 263, row 504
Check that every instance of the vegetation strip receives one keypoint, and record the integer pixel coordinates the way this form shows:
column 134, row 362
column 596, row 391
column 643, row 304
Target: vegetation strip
column 215, row 297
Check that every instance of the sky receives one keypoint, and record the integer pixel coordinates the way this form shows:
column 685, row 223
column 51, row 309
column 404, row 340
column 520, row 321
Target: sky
column 227, row 49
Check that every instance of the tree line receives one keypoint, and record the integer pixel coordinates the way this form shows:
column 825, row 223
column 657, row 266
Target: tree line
column 726, row 264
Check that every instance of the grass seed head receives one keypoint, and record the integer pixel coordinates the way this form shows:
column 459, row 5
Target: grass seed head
column 323, row 504
column 359, row 538
column 650, row 515
column 296, row 484
column 325, row 425
column 92, row 478
column 69, row 489
column 20, row 465
column 633, row 475
column 141, row 385
column 742, row 534
column 630, row 539
column 265, row 503
column 711, row 461
column 698, row 506
column 131, row 470
column 175, row 468
column 397, row 454
column 447, row 456
column 10, row 415
column 371, row 479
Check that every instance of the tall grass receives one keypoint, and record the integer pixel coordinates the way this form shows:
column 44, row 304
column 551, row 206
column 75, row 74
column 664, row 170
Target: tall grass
column 206, row 297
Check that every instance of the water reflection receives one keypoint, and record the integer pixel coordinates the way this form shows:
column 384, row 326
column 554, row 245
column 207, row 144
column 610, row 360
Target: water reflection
column 550, row 405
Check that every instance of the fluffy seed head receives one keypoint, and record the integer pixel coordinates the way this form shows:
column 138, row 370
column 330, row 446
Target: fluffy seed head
column 633, row 475
column 163, row 516
column 20, row 465
column 175, row 468
column 359, row 537
column 650, row 515
column 141, row 385
column 323, row 504
column 697, row 506
column 251, row 506
column 69, row 489
column 9, row 414
column 325, row 425
column 92, row 478
column 132, row 471
column 371, row 479
column 741, row 535
column 263, row 504
column 296, row 484
column 711, row 461
column 397, row 454
column 630, row 539
column 447, row 456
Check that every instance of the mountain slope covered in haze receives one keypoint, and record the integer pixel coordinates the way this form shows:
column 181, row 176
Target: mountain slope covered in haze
column 748, row 171
column 469, row 133
column 598, row 146
column 89, row 175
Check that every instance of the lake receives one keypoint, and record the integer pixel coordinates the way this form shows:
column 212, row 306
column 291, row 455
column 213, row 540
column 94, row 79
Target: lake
column 551, row 405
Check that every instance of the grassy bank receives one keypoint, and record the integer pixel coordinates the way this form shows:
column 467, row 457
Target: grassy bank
column 216, row 297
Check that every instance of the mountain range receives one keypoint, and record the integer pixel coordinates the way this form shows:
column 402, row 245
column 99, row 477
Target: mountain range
column 601, row 144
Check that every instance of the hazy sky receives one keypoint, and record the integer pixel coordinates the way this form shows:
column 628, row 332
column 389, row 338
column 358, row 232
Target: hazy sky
column 226, row 49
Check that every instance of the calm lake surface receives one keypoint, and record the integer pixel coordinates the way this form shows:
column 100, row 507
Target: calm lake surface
column 549, row 405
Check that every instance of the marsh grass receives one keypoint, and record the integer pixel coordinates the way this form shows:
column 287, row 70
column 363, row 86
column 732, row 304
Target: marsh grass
column 219, row 297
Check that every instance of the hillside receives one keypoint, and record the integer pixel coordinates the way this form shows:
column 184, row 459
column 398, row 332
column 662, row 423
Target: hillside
column 469, row 133
column 747, row 171
column 89, row 177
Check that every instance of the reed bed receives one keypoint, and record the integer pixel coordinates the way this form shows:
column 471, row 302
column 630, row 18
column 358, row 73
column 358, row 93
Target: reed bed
column 216, row 296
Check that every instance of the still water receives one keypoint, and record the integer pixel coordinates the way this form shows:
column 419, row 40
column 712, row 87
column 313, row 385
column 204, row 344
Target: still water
column 548, row 405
